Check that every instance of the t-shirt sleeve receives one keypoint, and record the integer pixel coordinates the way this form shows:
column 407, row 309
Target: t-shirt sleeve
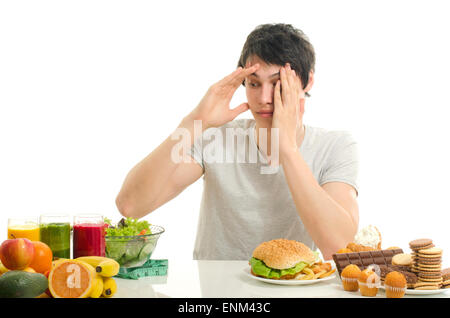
column 342, row 164
column 196, row 153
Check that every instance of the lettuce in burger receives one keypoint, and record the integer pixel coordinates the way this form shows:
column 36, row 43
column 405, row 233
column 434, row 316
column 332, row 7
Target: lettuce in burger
column 281, row 259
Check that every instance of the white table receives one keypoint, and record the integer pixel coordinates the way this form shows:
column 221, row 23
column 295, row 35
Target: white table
column 227, row 279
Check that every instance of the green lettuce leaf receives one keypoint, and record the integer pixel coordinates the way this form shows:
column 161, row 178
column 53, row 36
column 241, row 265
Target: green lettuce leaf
column 259, row 268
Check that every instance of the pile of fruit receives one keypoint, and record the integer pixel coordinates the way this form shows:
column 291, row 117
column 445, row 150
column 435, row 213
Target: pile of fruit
column 27, row 269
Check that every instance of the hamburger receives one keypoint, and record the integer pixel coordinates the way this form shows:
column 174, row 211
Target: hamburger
column 281, row 259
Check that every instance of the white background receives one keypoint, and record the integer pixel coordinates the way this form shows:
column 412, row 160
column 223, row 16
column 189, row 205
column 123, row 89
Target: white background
column 88, row 88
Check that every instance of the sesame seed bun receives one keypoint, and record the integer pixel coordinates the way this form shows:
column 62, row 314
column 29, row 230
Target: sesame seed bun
column 283, row 254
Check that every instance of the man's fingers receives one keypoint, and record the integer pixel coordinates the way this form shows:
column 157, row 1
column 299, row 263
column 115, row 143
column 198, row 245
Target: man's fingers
column 277, row 95
column 302, row 106
column 284, row 84
column 227, row 78
column 229, row 84
column 238, row 77
column 290, row 76
column 240, row 73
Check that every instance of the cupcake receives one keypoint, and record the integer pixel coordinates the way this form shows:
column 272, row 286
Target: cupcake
column 349, row 277
column 395, row 285
column 368, row 282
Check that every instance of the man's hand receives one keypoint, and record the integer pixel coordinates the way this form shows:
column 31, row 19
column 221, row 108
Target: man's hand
column 214, row 108
column 289, row 102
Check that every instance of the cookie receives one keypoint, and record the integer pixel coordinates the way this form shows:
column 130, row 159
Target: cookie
column 430, row 267
column 425, row 259
column 431, row 251
column 446, row 273
column 402, row 259
column 429, row 274
column 400, row 268
column 426, row 286
column 429, row 261
column 437, row 279
column 411, row 279
column 435, row 267
column 420, row 244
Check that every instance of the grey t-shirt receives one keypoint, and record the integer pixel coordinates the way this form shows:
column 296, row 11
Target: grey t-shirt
column 245, row 202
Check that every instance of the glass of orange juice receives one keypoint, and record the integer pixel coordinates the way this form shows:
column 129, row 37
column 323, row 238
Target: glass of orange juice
column 26, row 227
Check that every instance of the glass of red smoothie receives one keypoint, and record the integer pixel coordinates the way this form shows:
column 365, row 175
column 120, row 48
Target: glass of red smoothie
column 88, row 235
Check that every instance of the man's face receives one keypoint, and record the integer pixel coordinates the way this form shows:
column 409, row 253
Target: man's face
column 259, row 88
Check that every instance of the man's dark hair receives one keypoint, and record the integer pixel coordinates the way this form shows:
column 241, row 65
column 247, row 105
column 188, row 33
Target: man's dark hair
column 278, row 44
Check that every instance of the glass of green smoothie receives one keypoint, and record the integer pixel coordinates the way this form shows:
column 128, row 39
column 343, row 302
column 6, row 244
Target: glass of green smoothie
column 55, row 232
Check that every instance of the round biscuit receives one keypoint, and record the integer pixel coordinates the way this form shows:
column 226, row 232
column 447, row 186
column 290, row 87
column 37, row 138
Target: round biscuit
column 430, row 273
column 431, row 251
column 427, row 288
column 430, row 265
column 427, row 256
column 431, row 280
column 430, row 261
column 420, row 242
column 434, row 268
column 420, row 284
column 430, row 276
column 415, row 249
column 402, row 259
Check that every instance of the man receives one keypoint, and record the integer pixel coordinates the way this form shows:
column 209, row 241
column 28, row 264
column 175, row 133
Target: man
column 312, row 198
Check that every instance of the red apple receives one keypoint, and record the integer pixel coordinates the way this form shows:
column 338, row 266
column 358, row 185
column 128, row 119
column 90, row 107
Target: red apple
column 17, row 254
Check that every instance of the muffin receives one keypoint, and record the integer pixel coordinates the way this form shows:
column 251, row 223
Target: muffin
column 368, row 282
column 395, row 285
column 349, row 277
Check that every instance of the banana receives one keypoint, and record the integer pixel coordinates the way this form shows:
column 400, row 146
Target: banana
column 109, row 287
column 97, row 289
column 92, row 260
column 106, row 267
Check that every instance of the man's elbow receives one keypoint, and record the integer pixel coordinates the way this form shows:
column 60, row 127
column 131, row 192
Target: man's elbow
column 125, row 206
column 334, row 246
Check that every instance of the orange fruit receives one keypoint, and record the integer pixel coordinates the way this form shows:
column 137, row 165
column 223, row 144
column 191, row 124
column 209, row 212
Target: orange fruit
column 71, row 279
column 43, row 257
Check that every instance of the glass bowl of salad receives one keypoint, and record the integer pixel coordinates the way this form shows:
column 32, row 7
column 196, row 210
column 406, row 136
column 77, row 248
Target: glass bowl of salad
column 131, row 242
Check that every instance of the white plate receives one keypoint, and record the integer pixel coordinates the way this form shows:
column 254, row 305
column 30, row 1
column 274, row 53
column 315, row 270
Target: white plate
column 424, row 292
column 287, row 281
